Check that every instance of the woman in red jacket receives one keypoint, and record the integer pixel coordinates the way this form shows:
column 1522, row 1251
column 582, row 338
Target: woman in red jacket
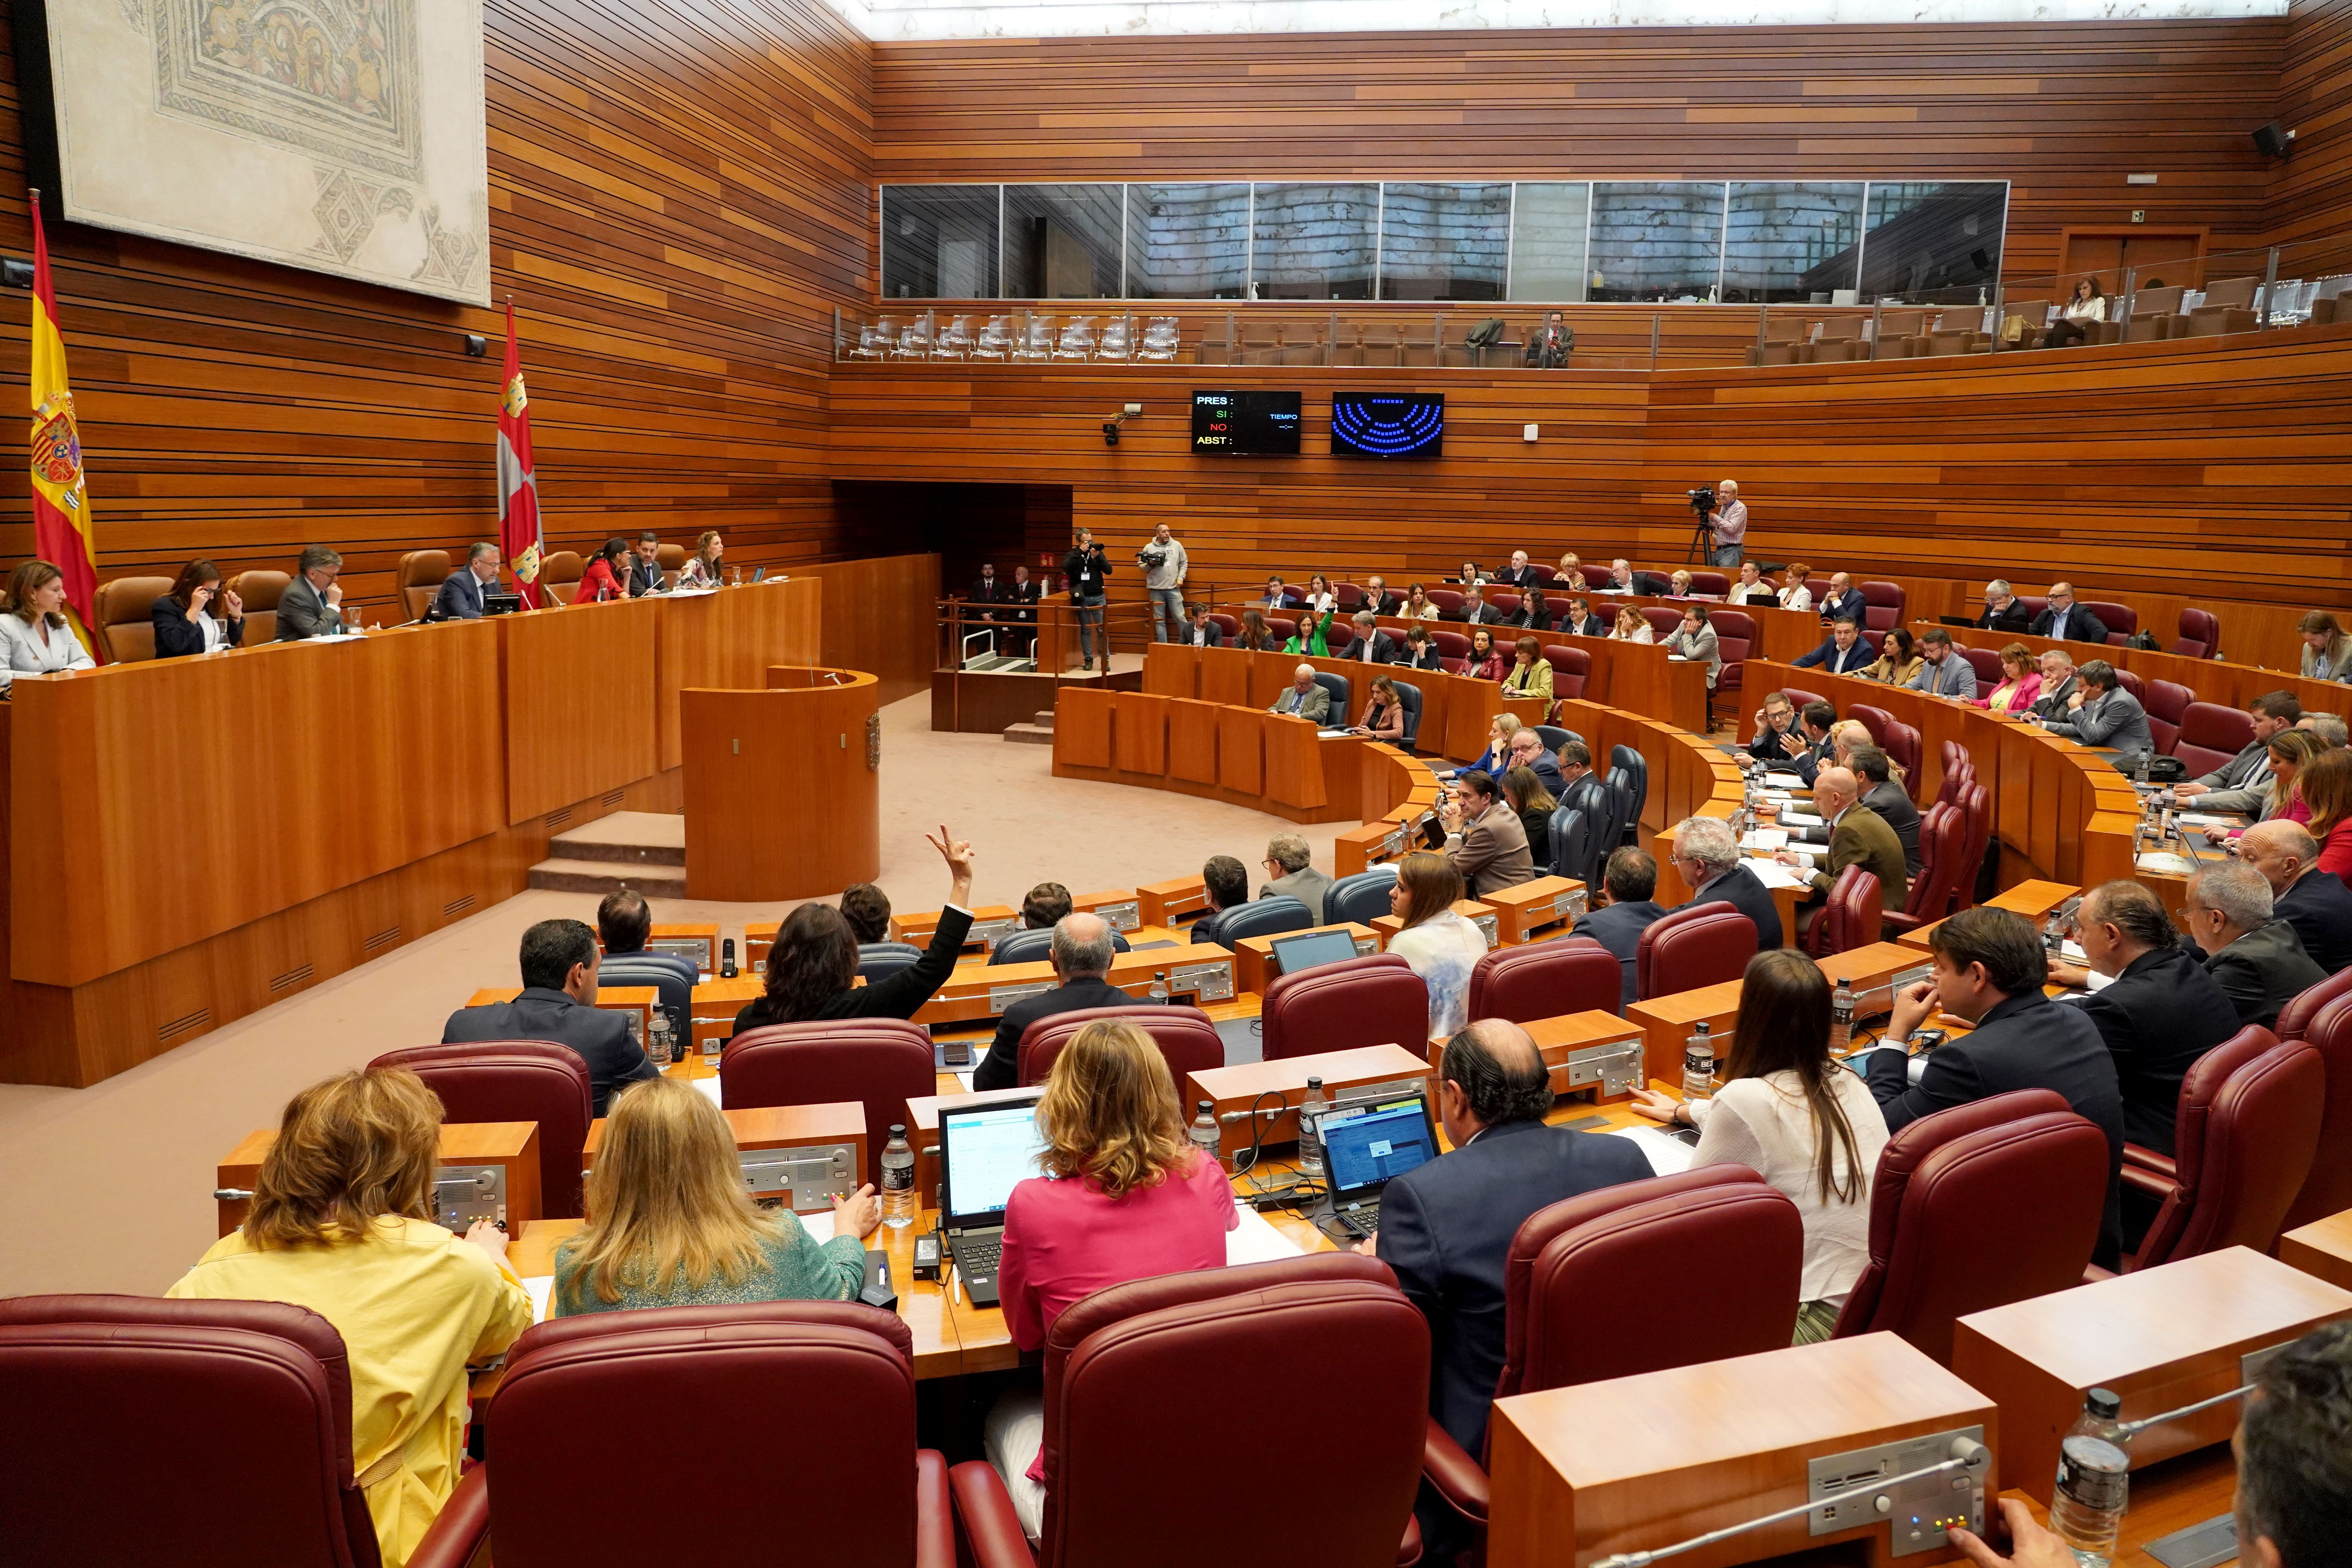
column 603, row 579
column 2325, row 785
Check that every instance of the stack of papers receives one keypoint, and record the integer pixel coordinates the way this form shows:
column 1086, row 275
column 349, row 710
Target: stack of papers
column 1765, row 838
column 1797, row 818
column 1666, row 1153
column 1772, row 874
column 708, row 1085
column 1788, row 784
column 2205, row 820
column 1256, row 1241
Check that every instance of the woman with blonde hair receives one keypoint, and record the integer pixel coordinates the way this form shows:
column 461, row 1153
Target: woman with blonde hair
column 342, row 1223
column 669, row 1223
column 1632, row 625
column 1436, row 943
column 2327, row 651
column 1496, row 760
column 1124, row 1195
column 1418, row 606
column 701, row 569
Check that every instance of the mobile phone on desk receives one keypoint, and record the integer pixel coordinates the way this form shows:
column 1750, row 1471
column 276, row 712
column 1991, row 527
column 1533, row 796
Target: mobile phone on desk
column 956, row 1052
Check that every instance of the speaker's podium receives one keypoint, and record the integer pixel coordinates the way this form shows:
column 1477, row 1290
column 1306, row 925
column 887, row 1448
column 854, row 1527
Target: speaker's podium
column 1865, row 1443
column 994, row 673
column 782, row 796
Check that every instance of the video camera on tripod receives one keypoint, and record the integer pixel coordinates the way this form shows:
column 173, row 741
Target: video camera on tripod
column 1702, row 544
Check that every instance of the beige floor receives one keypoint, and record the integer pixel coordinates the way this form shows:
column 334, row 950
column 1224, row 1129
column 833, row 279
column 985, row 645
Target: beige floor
column 110, row 1187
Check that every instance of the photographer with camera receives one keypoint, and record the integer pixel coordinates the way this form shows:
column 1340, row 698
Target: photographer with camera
column 1164, row 566
column 1727, row 544
column 1084, row 570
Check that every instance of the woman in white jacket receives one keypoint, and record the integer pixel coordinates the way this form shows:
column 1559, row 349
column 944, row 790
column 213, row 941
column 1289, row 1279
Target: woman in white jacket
column 34, row 635
column 1792, row 1112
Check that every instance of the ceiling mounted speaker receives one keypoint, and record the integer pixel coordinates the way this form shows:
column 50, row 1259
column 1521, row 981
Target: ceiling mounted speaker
column 2273, row 141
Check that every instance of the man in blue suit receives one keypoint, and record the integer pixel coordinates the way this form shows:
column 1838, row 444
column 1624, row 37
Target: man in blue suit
column 460, row 598
column 1618, row 924
column 1446, row 1226
column 1707, row 856
column 1842, row 653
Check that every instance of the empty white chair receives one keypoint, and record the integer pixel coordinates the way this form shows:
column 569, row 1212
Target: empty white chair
column 954, row 341
column 915, row 338
column 874, row 339
column 995, row 339
column 1116, row 342
column 1036, row 342
column 1158, row 339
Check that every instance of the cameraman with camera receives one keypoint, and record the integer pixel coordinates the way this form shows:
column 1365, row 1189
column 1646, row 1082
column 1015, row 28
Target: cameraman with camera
column 1084, row 569
column 1164, row 566
column 1728, row 543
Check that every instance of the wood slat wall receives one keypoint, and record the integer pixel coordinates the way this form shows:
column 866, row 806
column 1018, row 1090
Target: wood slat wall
column 679, row 198
column 2212, row 469
column 2310, row 194
column 2064, row 109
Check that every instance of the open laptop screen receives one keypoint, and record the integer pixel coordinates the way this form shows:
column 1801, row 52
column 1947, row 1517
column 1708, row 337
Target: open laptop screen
column 982, row 1152
column 1367, row 1145
column 1293, row 953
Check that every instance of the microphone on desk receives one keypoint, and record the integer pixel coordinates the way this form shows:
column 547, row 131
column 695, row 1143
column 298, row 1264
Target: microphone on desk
column 232, row 1195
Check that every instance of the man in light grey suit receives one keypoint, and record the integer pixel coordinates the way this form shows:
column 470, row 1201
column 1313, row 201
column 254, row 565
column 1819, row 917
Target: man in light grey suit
column 1305, row 697
column 1942, row 671
column 312, row 605
column 1292, row 873
column 2104, row 713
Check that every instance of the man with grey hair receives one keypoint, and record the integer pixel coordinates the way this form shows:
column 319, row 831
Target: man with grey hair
column 313, row 605
column 460, row 598
column 1082, row 953
column 1378, row 599
column 2256, row 958
column 2328, row 727
column 2316, row 902
column 2003, row 610
column 1730, row 526
column 1305, row 697
column 1291, row 873
column 1706, row 856
column 2100, row 713
column 1372, row 646
column 2058, row 684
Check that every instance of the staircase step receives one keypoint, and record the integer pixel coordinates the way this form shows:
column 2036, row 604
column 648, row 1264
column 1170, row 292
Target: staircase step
column 1029, row 734
column 625, row 837
column 570, row 875
column 1045, row 719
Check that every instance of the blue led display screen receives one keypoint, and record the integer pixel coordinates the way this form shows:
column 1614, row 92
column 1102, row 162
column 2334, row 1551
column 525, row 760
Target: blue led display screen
column 1388, row 424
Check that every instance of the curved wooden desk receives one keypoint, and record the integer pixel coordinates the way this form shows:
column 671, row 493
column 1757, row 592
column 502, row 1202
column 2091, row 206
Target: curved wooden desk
column 813, row 734
column 2213, row 680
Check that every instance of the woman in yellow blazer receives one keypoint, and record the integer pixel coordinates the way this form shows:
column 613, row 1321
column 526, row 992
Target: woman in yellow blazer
column 340, row 1225
column 1531, row 676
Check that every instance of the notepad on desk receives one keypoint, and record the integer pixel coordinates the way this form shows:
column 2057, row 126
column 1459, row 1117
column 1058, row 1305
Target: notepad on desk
column 1256, row 1241
column 1786, row 783
column 1765, row 838
column 1800, row 818
column 1667, row 1154
column 1772, row 874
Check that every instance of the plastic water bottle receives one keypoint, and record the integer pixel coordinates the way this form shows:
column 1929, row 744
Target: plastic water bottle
column 1205, row 1131
column 1698, row 1064
column 2094, row 1481
column 657, row 1048
column 1160, row 985
column 898, row 1180
column 1840, row 1018
column 1310, row 1129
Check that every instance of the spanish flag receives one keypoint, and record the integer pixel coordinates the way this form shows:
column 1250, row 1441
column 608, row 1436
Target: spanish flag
column 61, row 525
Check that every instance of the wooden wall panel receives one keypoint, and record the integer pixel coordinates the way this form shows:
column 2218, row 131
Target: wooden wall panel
column 579, row 704
column 2310, row 193
column 881, row 616
column 2064, row 109
column 2211, row 469
column 679, row 198
column 728, row 639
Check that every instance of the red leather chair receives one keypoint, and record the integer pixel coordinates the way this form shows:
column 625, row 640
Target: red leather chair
column 1375, row 1000
column 1878, row 720
column 2328, row 1189
column 2200, row 634
column 1545, row 979
column 2167, row 703
column 1447, row 600
column 2242, row 1145
column 1986, row 662
column 1596, row 578
column 1571, row 670
column 1229, row 624
column 1503, row 600
column 2211, row 735
column 1799, row 697
column 2296, row 1019
column 1735, row 637
column 884, row 1062
column 1850, row 918
column 1449, row 645
column 2129, row 679
column 1665, row 620
column 1935, row 1255
column 2035, row 605
column 1349, row 595
column 1264, row 1332
column 1976, row 810
column 1955, row 779
column 1185, row 1034
column 1903, row 745
column 1340, row 635
column 2121, row 620
column 1284, row 627
column 239, row 1414
column 1883, row 605
column 1636, row 1277
column 1704, row 945
column 843, row 1371
column 1943, row 845
column 516, row 1081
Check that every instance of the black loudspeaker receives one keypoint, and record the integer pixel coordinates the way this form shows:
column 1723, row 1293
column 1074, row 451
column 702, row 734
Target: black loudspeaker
column 2272, row 141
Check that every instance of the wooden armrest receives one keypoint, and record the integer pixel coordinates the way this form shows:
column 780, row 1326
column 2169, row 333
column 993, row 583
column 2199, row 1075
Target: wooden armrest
column 991, row 1531
column 462, row 1526
column 1454, row 1474
column 934, row 1514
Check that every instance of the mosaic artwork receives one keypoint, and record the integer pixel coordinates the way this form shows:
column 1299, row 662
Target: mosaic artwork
column 345, row 136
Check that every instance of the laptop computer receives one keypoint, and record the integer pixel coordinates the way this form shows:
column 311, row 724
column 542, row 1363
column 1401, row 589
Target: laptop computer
column 759, row 574
column 985, row 1150
column 1961, row 622
column 1367, row 1143
column 1309, row 949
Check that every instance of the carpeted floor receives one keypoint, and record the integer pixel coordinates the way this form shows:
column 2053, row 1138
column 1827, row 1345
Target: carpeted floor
column 114, row 1183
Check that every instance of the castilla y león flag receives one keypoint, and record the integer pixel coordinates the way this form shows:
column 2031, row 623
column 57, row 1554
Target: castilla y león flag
column 61, row 525
column 518, row 530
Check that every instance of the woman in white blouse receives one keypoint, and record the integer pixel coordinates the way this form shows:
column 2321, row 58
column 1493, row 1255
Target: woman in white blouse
column 702, row 568
column 1792, row 1114
column 1436, row 943
column 34, row 630
column 1418, row 606
column 1632, row 625
column 1796, row 595
column 1320, row 597
column 198, row 616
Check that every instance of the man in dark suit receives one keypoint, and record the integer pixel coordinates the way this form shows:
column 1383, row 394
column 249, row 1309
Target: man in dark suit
column 1843, row 652
column 985, row 594
column 2003, row 610
column 1378, row 599
column 646, row 575
column 2159, row 1010
column 626, row 922
column 1477, row 612
column 460, row 598
column 1371, row 645
column 2066, row 620
column 1883, row 796
column 1706, row 856
column 1446, row 1226
column 1227, row 880
column 2316, row 903
column 1780, row 736
column 1520, row 574
column 1988, row 972
column 1625, row 912
column 312, row 605
column 1580, row 621
column 1082, row 953
column 559, row 1004
column 1021, row 599
column 2102, row 713
column 2256, row 960
column 2058, row 684
column 1843, row 602
column 1201, row 631
column 1527, row 752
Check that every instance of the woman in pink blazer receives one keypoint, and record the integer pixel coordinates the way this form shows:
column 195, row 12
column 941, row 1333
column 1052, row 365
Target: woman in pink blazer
column 2020, row 682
